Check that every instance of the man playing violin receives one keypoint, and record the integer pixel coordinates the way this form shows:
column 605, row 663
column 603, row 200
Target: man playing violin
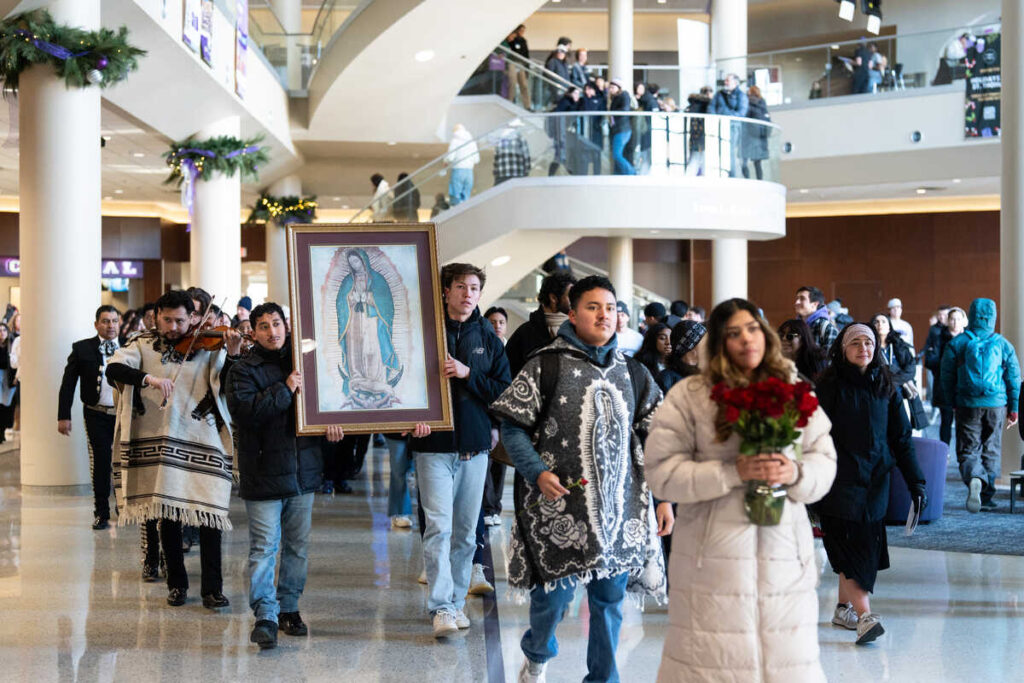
column 173, row 458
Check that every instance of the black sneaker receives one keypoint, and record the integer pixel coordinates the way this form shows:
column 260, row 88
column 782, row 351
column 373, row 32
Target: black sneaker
column 176, row 597
column 264, row 634
column 99, row 523
column 215, row 601
column 986, row 506
column 292, row 624
column 343, row 487
column 150, row 574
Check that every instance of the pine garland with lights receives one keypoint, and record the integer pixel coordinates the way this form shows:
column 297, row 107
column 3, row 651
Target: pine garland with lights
column 283, row 210
column 80, row 57
column 223, row 154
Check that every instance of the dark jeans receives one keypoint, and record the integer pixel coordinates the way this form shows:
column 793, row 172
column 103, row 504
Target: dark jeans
column 945, row 424
column 99, row 431
column 979, row 442
column 758, row 171
column 209, row 557
column 494, row 487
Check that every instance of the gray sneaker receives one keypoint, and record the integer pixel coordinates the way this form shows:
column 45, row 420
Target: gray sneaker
column 444, row 623
column 869, row 628
column 532, row 672
column 845, row 616
column 461, row 620
column 974, row 495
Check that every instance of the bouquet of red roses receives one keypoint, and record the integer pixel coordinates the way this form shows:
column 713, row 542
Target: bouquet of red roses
column 768, row 417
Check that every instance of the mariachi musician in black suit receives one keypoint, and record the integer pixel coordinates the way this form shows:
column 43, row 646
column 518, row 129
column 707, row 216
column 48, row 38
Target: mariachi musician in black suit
column 87, row 366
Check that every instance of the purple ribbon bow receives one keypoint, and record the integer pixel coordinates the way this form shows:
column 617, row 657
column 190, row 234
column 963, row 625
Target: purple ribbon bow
column 58, row 51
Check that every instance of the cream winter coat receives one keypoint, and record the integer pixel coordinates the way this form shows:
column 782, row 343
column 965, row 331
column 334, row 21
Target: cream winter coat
column 742, row 600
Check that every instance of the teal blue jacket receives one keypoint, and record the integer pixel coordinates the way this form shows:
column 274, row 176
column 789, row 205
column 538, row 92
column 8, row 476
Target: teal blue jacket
column 959, row 391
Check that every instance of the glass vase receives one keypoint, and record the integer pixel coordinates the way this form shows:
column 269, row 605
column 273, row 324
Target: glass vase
column 764, row 503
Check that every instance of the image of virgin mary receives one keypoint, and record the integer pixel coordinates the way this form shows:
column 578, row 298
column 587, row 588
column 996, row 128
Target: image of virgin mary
column 369, row 367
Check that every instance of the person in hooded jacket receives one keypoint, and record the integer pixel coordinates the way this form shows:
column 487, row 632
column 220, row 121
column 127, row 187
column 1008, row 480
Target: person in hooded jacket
column 755, row 135
column 278, row 474
column 542, row 326
column 451, row 466
column 684, row 360
column 742, row 598
column 981, row 380
column 871, row 432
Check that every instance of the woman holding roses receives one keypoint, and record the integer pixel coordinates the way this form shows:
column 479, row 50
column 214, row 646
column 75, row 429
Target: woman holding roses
column 742, row 600
column 871, row 432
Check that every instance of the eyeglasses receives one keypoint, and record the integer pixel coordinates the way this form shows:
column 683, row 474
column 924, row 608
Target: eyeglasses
column 792, row 336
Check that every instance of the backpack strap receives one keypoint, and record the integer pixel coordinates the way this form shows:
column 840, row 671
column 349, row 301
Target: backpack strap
column 638, row 379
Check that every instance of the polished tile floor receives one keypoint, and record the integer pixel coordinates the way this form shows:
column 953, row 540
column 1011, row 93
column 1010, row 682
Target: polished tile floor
column 74, row 609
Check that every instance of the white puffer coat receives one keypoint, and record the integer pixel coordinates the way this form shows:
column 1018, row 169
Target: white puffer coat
column 742, row 600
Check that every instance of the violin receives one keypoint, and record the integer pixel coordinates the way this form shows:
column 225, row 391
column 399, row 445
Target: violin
column 207, row 339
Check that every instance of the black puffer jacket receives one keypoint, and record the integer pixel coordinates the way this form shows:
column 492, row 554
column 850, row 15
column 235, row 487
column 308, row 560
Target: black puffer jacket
column 527, row 338
column 272, row 461
column 871, row 434
column 903, row 365
column 473, row 343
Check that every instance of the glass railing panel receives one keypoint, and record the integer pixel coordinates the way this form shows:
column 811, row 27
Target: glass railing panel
column 294, row 56
column 588, row 143
column 518, row 80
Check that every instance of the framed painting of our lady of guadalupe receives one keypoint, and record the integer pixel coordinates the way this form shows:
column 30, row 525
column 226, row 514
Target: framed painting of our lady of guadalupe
column 367, row 327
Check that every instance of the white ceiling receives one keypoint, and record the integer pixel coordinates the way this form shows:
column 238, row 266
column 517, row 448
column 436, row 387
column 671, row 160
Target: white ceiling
column 674, row 6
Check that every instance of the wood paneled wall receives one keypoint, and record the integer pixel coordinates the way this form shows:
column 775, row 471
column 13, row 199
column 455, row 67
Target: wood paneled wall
column 924, row 259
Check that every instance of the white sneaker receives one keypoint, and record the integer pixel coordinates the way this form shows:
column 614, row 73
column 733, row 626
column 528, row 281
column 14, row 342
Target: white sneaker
column 532, row 672
column 478, row 584
column 422, row 578
column 401, row 522
column 444, row 623
column 974, row 495
column 868, row 628
column 845, row 616
column 461, row 620
column 493, row 520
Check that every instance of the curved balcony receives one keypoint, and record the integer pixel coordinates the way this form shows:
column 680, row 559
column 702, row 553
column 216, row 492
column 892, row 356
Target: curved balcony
column 544, row 180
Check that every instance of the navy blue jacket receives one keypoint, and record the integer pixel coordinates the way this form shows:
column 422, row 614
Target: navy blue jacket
column 474, row 344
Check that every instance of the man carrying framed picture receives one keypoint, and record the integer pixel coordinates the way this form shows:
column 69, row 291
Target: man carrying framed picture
column 452, row 465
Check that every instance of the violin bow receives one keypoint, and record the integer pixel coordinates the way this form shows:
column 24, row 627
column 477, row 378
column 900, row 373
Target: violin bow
column 191, row 344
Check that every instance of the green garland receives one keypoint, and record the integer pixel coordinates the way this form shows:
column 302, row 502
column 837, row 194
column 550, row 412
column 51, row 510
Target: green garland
column 283, row 210
column 224, row 154
column 82, row 58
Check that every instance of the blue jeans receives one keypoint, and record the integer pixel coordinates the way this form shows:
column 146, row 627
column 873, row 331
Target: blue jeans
column 398, row 486
column 283, row 522
column 622, row 166
column 451, row 492
column 460, row 185
column 605, row 598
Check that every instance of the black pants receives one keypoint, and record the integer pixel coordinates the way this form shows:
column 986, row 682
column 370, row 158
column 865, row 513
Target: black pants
column 945, row 424
column 150, row 540
column 99, row 430
column 344, row 460
column 494, row 486
column 209, row 557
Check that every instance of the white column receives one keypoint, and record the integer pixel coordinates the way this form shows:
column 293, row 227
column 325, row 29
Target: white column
column 728, row 269
column 729, row 37
column 289, row 13
column 60, row 236
column 216, row 238
column 728, row 53
column 277, row 250
column 1011, row 215
column 620, row 268
column 620, row 41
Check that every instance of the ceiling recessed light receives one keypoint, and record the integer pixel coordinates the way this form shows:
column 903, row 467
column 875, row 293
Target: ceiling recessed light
column 424, row 55
column 921, row 190
column 337, row 199
column 344, row 206
column 661, row 2
column 804, row 190
column 392, row 143
column 107, row 138
column 956, row 180
column 500, row 261
column 118, row 191
column 138, row 155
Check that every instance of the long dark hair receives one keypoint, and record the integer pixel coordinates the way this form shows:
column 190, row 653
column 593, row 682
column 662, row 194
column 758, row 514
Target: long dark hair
column 893, row 338
column 810, row 358
column 648, row 353
column 878, row 375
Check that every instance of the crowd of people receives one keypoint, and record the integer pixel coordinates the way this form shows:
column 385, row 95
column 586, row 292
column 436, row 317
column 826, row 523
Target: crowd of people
column 612, row 433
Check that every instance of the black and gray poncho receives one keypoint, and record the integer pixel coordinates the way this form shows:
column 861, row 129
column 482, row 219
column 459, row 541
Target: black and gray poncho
column 588, row 429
